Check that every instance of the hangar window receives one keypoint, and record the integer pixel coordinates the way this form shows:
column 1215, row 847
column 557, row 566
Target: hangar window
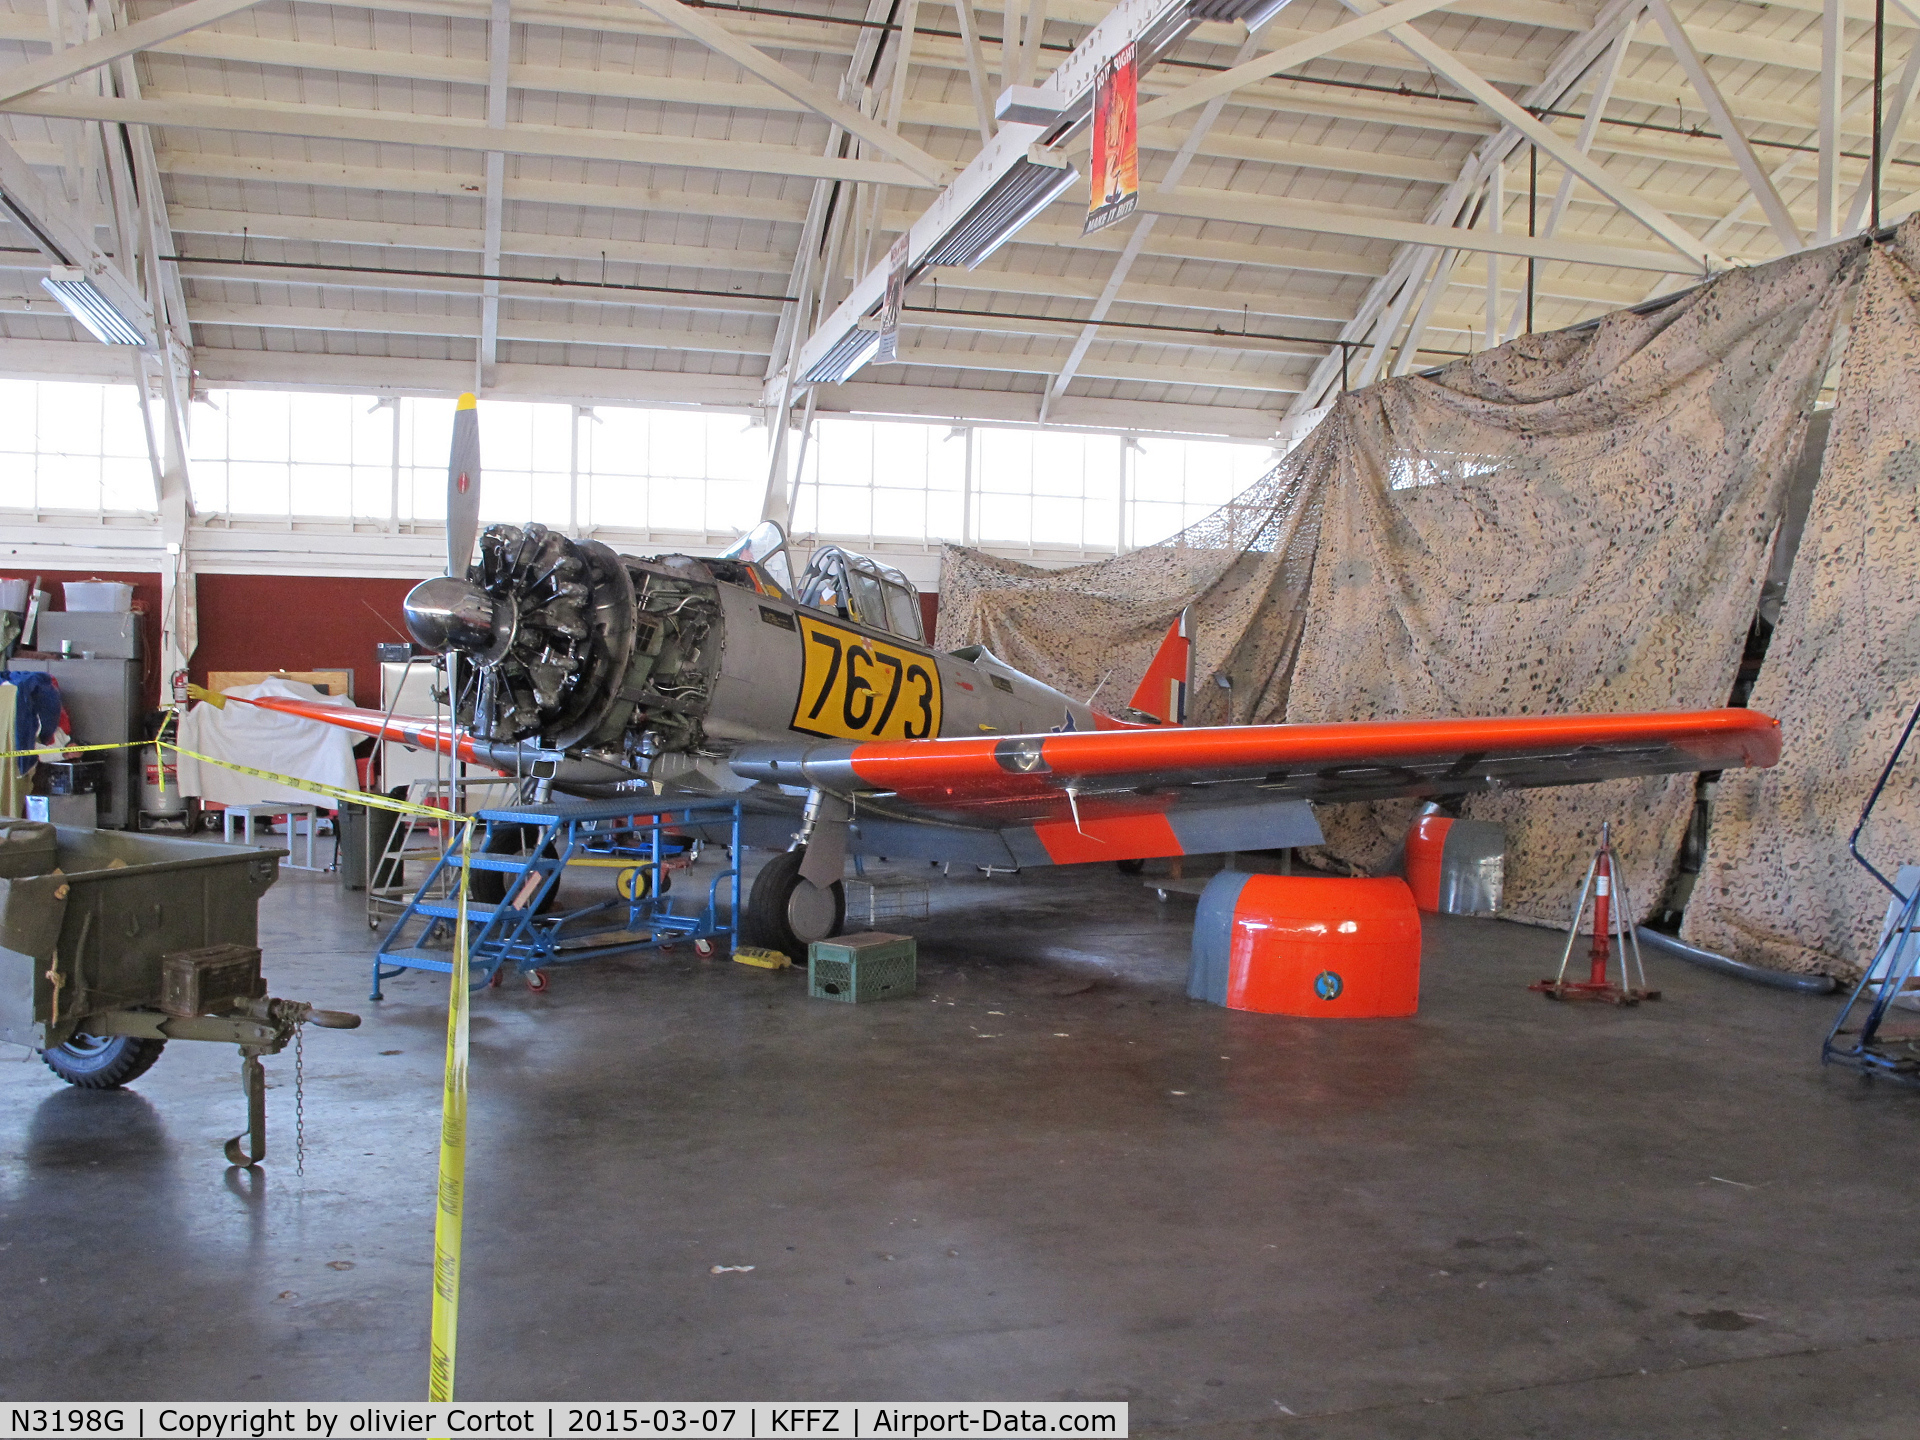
column 670, row 470
column 882, row 480
column 73, row 447
column 1174, row 483
column 638, row 477
column 1048, row 487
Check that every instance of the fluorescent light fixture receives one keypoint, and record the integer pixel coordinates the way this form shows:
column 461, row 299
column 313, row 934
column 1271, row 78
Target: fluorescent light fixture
column 1019, row 172
column 1026, row 105
column 82, row 299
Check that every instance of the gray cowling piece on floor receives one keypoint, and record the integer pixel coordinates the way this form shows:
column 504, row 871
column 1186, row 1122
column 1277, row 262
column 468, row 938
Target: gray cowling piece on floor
column 1213, row 937
column 1473, row 868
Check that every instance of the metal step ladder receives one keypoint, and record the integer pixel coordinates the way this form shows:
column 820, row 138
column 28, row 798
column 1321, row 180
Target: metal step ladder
column 416, row 840
column 1860, row 1039
column 527, row 931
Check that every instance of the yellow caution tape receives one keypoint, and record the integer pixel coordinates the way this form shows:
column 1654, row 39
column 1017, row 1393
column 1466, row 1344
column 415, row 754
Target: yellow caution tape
column 319, row 787
column 453, row 1111
column 55, row 752
column 449, row 1213
column 445, row 1328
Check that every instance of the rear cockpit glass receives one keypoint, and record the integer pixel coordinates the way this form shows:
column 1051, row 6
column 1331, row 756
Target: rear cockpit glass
column 864, row 590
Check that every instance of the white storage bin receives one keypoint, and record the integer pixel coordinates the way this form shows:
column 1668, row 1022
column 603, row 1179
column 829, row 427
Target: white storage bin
column 98, row 595
column 13, row 595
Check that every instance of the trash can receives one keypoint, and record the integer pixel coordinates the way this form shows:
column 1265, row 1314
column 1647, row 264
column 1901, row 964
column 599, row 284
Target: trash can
column 364, row 832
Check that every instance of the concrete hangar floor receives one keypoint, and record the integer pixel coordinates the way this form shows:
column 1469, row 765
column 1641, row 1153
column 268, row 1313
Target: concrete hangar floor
column 1047, row 1176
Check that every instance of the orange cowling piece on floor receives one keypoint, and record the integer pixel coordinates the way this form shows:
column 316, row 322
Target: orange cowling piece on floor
column 1335, row 949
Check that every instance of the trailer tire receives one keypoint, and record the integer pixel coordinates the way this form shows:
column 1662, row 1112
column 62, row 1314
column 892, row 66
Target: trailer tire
column 103, row 1063
column 778, row 909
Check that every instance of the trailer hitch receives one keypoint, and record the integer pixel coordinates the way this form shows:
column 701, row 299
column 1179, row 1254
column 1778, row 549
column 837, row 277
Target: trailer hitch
column 259, row 1027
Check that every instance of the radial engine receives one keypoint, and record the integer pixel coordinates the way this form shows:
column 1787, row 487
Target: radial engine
column 569, row 646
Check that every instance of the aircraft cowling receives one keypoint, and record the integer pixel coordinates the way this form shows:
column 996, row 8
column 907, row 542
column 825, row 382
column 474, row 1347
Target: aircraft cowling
column 566, row 645
column 560, row 640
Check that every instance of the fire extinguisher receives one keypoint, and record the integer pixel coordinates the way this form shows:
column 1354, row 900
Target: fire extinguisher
column 179, row 687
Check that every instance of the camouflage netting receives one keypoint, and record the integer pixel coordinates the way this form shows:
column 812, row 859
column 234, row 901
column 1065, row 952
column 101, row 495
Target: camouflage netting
column 1778, row 887
column 1574, row 521
column 1244, row 570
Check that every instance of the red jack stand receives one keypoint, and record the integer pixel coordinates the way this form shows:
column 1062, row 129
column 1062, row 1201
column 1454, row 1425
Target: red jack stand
column 1610, row 921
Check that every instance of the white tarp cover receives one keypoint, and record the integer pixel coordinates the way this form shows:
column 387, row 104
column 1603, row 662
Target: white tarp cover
column 264, row 740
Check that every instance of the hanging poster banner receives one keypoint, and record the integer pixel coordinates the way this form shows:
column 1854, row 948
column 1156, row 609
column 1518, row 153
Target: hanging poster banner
column 891, row 302
column 1116, row 143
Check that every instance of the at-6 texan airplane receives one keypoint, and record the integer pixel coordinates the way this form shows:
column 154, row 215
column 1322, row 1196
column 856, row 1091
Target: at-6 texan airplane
column 817, row 701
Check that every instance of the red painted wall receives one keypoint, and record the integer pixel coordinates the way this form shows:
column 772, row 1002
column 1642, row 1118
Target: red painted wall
column 284, row 622
column 146, row 597
column 298, row 622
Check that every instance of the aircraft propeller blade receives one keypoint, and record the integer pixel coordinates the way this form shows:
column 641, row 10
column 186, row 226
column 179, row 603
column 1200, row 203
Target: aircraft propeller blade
column 463, row 487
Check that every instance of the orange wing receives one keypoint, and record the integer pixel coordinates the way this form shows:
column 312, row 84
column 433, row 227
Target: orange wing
column 1122, row 794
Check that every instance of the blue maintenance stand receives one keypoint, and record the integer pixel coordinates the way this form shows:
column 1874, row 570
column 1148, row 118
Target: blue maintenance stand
column 525, row 931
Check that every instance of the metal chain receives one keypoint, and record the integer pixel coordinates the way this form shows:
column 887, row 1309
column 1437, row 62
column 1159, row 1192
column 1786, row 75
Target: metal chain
column 300, row 1100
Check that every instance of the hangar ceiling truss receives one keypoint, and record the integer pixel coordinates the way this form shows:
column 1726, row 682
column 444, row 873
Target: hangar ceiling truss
column 656, row 201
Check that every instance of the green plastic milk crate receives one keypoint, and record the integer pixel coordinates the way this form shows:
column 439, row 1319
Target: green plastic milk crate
column 855, row 968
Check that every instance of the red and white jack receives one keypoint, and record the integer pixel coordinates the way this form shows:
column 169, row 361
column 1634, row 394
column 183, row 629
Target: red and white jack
column 1611, row 909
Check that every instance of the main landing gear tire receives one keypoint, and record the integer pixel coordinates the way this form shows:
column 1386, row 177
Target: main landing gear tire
column 94, row 1062
column 787, row 912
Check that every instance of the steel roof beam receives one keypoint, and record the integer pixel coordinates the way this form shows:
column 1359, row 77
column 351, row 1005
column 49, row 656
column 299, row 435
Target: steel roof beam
column 499, row 53
column 65, row 64
column 931, row 52
column 756, row 62
column 1286, row 57
column 1452, row 210
column 1280, row 213
column 1750, row 167
column 1452, row 69
column 1142, row 231
column 385, row 128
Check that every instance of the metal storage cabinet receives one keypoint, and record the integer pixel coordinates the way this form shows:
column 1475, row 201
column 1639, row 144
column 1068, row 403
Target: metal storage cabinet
column 103, row 701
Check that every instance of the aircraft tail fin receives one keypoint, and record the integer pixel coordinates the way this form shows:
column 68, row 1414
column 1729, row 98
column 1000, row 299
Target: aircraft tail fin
column 1163, row 690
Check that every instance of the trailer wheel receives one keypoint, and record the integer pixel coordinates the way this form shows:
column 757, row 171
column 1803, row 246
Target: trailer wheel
column 786, row 913
column 94, row 1062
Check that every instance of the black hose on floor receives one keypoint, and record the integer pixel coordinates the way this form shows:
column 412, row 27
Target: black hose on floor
column 1758, row 974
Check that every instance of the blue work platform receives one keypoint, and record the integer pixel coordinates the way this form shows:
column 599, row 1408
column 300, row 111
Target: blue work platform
column 530, row 848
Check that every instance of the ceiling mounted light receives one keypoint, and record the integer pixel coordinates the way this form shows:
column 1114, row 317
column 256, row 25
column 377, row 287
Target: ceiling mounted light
column 82, row 299
column 1018, row 173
